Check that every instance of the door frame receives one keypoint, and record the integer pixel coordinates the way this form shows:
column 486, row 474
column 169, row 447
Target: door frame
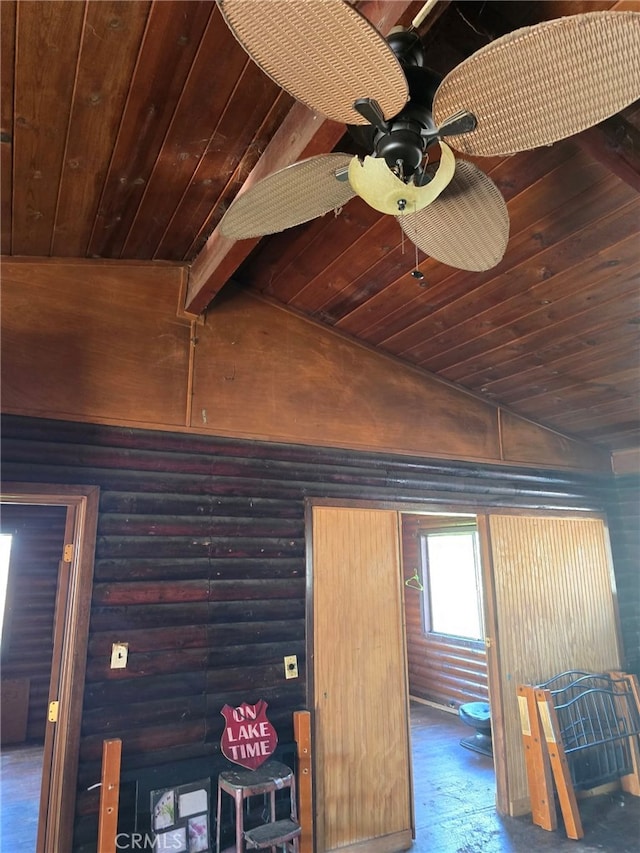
column 62, row 738
column 492, row 639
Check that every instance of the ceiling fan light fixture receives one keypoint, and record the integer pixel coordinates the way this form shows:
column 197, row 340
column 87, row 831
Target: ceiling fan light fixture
column 373, row 181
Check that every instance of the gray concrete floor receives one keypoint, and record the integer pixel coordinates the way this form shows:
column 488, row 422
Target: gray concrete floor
column 454, row 798
column 20, row 779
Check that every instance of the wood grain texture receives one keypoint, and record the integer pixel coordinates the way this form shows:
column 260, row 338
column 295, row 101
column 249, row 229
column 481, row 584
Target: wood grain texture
column 555, row 612
column 93, row 341
column 291, row 370
column 42, row 106
column 128, row 129
column 361, row 706
column 7, row 64
column 110, row 36
column 524, row 441
column 163, row 63
column 101, row 341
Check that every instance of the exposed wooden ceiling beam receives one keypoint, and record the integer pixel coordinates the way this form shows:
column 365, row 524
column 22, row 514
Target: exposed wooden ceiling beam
column 616, row 144
column 304, row 133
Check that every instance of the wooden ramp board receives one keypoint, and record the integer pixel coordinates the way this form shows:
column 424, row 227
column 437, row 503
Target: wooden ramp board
column 109, row 795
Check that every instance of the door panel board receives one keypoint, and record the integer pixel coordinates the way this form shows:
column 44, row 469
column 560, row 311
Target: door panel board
column 361, row 705
column 555, row 611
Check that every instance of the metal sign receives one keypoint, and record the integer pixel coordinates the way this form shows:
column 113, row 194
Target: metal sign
column 248, row 739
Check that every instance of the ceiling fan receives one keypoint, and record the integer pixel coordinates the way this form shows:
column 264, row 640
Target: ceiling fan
column 526, row 89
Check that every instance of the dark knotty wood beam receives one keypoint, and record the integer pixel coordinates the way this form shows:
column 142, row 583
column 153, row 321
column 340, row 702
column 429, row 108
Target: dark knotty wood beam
column 303, row 133
column 615, row 143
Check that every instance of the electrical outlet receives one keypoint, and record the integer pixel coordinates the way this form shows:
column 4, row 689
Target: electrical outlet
column 291, row 666
column 119, row 655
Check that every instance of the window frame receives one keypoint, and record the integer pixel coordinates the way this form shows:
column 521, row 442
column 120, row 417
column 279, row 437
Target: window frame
column 426, row 601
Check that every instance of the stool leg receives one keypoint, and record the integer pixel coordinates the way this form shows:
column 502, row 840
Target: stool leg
column 294, row 807
column 218, row 819
column 239, row 822
column 272, row 795
column 294, row 812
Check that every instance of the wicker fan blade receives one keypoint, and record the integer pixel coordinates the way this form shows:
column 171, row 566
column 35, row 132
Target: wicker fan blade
column 543, row 83
column 467, row 226
column 322, row 52
column 289, row 197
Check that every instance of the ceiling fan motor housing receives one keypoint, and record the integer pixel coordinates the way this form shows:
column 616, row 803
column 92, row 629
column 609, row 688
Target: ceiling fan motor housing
column 412, row 131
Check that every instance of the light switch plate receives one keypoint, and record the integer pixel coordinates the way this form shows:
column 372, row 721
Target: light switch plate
column 291, row 666
column 119, row 655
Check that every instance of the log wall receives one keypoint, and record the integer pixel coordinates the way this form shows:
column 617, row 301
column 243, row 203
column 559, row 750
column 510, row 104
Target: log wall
column 200, row 567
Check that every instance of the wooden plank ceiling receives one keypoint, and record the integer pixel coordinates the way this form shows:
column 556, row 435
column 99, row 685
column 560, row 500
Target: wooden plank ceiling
column 128, row 128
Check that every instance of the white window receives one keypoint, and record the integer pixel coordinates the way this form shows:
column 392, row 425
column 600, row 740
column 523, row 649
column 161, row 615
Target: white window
column 5, row 553
column 452, row 596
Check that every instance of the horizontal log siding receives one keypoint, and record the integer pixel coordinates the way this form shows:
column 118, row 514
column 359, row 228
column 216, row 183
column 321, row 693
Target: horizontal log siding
column 200, row 567
column 446, row 670
column 624, row 529
column 36, row 552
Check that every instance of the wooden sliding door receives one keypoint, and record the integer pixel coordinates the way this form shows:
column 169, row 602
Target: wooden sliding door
column 361, row 741
column 554, row 610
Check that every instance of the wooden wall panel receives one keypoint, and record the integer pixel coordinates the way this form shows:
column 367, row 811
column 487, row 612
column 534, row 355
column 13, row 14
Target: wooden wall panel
column 446, row 670
column 524, row 441
column 555, row 612
column 308, row 384
column 626, row 461
column 7, row 65
column 103, row 342
column 38, row 537
column 311, row 385
column 200, row 566
column 94, row 342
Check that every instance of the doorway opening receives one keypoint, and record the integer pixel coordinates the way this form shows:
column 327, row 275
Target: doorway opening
column 36, row 536
column 446, row 666
column 44, row 646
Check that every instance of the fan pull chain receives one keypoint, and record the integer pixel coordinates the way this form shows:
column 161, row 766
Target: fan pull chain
column 417, row 274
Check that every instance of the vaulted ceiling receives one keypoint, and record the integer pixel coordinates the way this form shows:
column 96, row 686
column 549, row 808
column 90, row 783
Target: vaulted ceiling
column 129, row 127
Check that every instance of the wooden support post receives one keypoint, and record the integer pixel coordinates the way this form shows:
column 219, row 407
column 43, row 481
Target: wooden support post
column 543, row 808
column 631, row 782
column 302, row 736
column 559, row 765
column 109, row 796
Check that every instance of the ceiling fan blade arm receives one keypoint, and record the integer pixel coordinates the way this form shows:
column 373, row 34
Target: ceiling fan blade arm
column 460, row 122
column 370, row 110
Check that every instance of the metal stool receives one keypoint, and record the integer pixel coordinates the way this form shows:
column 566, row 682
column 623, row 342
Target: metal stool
column 241, row 784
